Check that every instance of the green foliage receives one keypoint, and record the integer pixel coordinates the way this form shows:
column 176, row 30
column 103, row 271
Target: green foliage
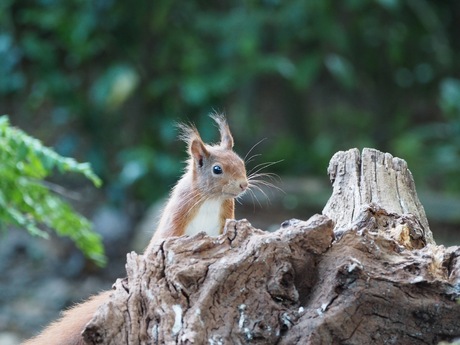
column 25, row 200
column 111, row 78
column 434, row 148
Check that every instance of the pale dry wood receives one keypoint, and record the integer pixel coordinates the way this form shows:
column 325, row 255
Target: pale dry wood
column 246, row 285
column 373, row 291
column 372, row 178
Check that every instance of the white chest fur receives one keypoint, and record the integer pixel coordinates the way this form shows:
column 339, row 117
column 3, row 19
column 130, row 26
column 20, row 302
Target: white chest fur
column 206, row 219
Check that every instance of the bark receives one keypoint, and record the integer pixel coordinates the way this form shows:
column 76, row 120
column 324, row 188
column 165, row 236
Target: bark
column 367, row 271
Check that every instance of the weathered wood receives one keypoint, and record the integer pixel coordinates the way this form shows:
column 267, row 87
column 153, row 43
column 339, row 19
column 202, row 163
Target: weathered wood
column 381, row 280
column 373, row 178
column 244, row 286
column 374, row 291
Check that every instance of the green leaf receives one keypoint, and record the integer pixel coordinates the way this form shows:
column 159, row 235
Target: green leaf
column 26, row 202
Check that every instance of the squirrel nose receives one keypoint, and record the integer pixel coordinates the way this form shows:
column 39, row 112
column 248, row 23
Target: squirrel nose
column 244, row 185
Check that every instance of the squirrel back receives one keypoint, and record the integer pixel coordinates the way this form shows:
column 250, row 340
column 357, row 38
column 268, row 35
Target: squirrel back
column 204, row 197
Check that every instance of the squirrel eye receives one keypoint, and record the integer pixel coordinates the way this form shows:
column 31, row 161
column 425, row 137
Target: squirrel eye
column 217, row 170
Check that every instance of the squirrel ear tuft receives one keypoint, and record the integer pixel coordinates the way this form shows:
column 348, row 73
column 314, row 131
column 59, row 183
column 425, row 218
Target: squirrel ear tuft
column 196, row 147
column 226, row 139
column 198, row 151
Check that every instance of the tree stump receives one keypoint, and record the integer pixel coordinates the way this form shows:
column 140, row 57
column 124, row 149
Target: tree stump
column 367, row 271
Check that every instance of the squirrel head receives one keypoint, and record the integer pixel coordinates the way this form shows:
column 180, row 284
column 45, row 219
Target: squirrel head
column 217, row 171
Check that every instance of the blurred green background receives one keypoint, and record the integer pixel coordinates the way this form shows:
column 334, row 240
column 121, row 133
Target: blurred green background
column 104, row 81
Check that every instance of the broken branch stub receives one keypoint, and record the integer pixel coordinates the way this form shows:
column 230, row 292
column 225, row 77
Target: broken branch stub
column 380, row 280
column 375, row 182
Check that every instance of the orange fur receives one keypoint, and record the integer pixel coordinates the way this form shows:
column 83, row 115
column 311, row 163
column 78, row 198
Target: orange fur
column 67, row 330
column 199, row 184
column 227, row 212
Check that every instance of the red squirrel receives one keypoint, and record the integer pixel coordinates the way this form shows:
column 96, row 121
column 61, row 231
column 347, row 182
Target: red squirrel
column 201, row 201
column 204, row 197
